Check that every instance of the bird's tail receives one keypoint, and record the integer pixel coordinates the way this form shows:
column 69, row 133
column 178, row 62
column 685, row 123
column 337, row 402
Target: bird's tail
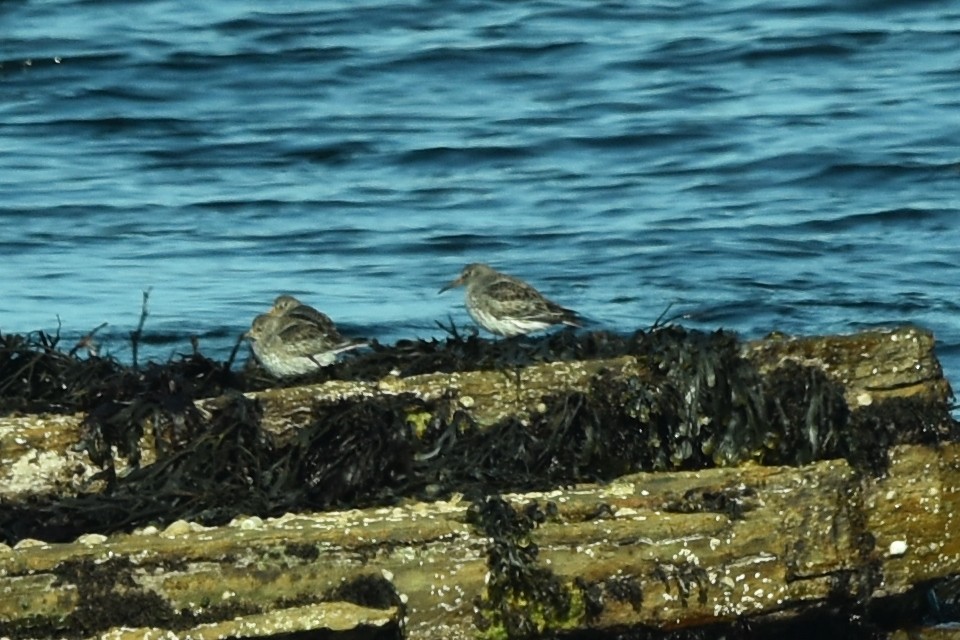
column 349, row 345
column 571, row 318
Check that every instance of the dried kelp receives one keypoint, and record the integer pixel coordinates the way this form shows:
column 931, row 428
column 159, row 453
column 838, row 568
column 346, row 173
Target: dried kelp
column 37, row 376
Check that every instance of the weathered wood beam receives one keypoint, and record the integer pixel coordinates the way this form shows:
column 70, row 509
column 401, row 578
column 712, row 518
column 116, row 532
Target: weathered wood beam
column 38, row 453
column 332, row 616
column 870, row 366
column 647, row 549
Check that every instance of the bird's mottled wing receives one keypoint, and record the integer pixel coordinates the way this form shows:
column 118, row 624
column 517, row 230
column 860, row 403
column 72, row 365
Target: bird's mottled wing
column 518, row 299
column 307, row 338
column 510, row 290
column 312, row 316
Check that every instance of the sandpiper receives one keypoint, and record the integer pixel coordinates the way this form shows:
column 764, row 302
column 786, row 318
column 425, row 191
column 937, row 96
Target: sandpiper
column 287, row 305
column 508, row 306
column 296, row 340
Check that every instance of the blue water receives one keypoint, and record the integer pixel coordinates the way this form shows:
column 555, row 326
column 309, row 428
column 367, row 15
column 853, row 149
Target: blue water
column 761, row 165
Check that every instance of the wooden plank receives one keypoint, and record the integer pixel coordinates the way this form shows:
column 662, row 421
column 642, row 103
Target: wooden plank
column 668, row 550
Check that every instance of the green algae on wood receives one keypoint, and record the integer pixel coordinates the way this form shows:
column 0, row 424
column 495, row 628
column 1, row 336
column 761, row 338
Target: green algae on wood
column 653, row 549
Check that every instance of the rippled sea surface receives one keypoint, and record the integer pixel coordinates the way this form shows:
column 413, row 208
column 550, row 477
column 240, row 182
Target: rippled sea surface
column 759, row 166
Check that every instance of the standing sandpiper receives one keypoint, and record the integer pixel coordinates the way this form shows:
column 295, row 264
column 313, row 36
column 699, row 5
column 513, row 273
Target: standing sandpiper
column 507, row 306
column 293, row 339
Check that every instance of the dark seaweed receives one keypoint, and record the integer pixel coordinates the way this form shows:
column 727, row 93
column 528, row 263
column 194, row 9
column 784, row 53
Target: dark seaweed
column 703, row 405
column 523, row 598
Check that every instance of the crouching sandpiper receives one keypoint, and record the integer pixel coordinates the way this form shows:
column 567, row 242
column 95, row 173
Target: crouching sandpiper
column 294, row 339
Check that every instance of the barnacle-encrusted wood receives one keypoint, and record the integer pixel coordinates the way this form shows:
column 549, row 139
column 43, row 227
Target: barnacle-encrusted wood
column 870, row 365
column 667, row 550
column 39, row 453
column 373, row 463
